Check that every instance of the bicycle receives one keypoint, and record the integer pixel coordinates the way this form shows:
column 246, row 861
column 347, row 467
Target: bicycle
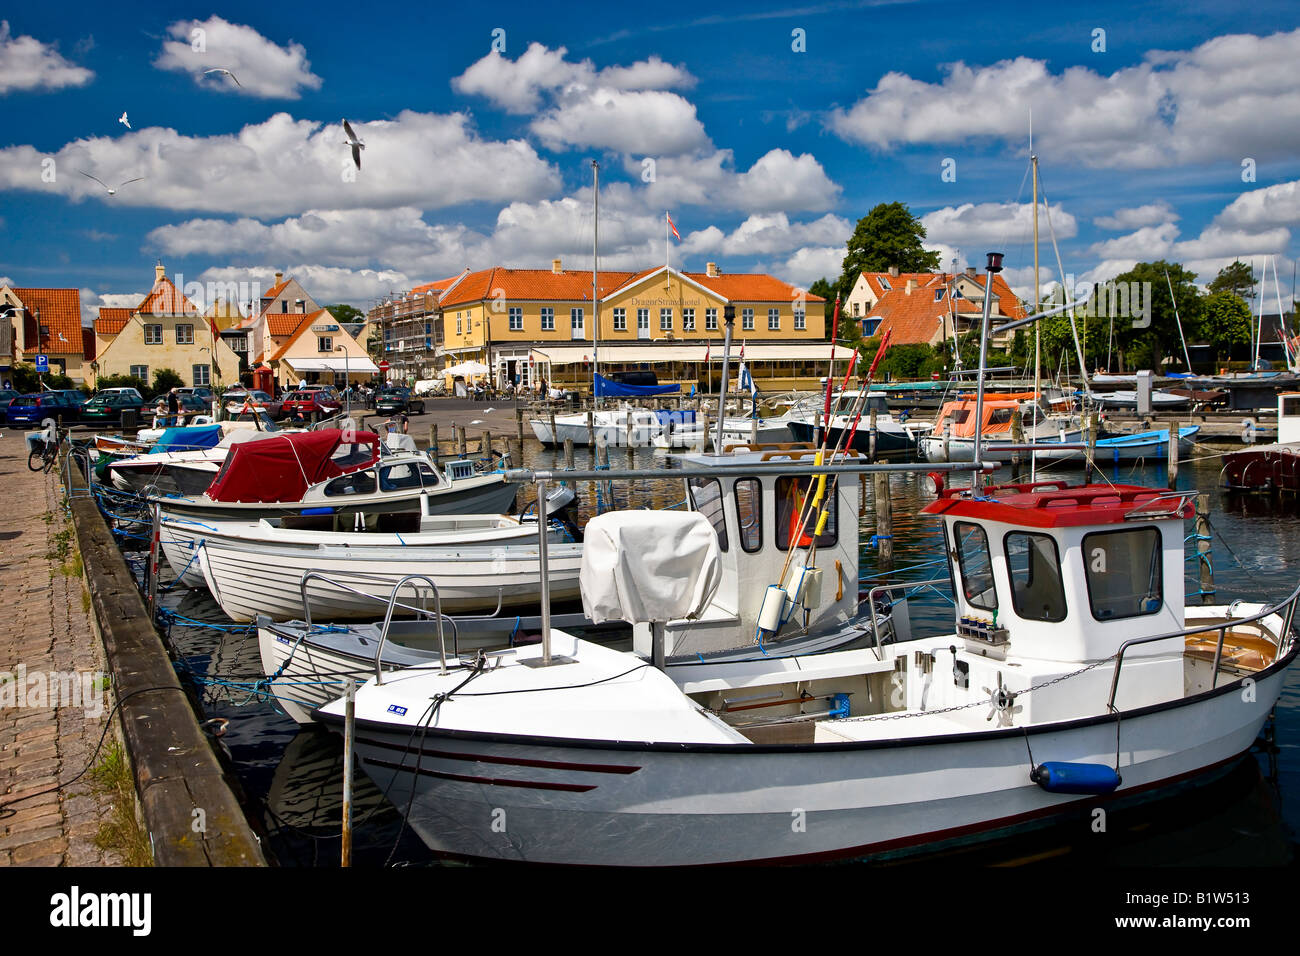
column 45, row 447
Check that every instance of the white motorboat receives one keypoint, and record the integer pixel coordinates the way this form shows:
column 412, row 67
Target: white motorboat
column 893, row 436
column 1075, row 676
column 954, row 433
column 617, row 428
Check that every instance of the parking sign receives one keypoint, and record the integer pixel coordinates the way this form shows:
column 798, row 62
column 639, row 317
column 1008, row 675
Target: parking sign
column 43, row 364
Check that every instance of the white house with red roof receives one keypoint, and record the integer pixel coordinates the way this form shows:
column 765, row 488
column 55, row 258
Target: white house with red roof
column 924, row 308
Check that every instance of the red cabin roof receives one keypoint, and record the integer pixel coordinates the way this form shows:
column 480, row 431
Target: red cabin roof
column 1055, row 504
column 283, row 468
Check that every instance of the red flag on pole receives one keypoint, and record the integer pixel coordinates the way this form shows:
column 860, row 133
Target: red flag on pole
column 673, row 228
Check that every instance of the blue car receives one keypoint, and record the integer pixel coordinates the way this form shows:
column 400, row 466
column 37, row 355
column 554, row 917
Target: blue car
column 32, row 409
column 7, row 395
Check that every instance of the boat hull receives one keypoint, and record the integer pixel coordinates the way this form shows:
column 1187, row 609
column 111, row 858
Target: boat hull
column 1264, row 468
column 963, row 449
column 515, row 798
column 888, row 441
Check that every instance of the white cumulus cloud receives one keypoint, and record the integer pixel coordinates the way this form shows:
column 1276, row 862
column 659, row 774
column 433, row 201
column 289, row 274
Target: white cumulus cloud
column 263, row 68
column 28, row 64
column 1150, row 214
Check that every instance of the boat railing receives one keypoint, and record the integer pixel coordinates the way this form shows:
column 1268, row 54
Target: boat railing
column 1284, row 639
column 880, row 589
column 391, row 603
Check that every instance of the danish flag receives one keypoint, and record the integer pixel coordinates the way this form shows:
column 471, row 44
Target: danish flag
column 672, row 227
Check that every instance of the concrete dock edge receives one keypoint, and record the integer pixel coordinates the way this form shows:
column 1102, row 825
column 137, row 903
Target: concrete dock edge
column 189, row 807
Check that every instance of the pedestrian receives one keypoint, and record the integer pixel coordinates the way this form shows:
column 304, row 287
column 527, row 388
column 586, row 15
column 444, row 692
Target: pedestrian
column 173, row 408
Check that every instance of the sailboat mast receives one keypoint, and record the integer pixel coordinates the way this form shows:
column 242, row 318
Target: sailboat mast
column 595, row 297
column 1038, row 371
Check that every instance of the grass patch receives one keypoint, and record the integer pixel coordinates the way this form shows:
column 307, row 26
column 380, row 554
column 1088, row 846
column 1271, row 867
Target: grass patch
column 121, row 832
column 85, row 600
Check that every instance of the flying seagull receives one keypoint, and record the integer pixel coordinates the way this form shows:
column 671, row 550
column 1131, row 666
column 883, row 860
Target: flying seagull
column 124, row 121
column 356, row 144
column 227, row 73
column 111, row 191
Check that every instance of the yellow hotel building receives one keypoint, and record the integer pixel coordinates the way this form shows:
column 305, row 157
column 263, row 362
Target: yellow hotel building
column 531, row 324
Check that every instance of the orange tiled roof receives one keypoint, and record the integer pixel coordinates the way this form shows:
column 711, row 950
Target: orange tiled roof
column 276, row 289
column 303, row 325
column 917, row 317
column 438, row 286
column 111, row 321
column 165, row 299
column 60, row 312
column 285, row 323
column 575, row 286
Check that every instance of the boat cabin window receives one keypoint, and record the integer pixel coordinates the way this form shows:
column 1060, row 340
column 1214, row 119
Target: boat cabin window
column 790, row 523
column 357, row 483
column 706, row 498
column 428, row 476
column 399, row 477
column 351, row 454
column 976, row 565
column 1034, row 565
column 1124, row 572
column 954, row 418
column 749, row 513
column 1291, row 406
column 1000, row 416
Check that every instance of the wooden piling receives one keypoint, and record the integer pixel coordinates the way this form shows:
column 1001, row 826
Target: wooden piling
column 591, row 429
column 947, row 437
column 1092, row 447
column 555, row 437
column 884, row 521
column 485, row 445
column 1203, row 533
column 871, row 442
column 1173, row 453
column 568, row 453
column 433, row 441
column 1017, row 438
column 519, row 422
column 628, row 430
column 462, row 441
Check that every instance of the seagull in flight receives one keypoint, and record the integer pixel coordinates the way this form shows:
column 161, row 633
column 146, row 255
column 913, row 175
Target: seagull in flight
column 356, row 144
column 123, row 120
column 111, row 190
column 227, row 73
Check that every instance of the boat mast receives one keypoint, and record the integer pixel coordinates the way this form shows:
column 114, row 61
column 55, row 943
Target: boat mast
column 994, row 267
column 1038, row 372
column 595, row 299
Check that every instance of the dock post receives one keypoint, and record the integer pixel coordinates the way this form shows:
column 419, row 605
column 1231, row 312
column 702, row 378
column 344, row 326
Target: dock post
column 568, row 453
column 433, row 441
column 884, row 521
column 151, row 570
column 872, row 440
column 519, row 423
column 349, row 745
column 753, row 431
column 1092, row 448
column 1173, row 453
column 628, row 431
column 462, row 441
column 1203, row 533
column 1017, row 438
column 862, row 494
column 947, row 435
column 591, row 429
column 555, row 438
column 485, row 445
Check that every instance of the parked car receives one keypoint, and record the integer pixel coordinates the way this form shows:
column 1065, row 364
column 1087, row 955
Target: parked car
column 76, row 397
column 191, row 406
column 7, row 395
column 125, row 391
column 109, row 406
column 310, row 405
column 394, row 400
column 237, row 400
column 199, row 391
column 32, row 409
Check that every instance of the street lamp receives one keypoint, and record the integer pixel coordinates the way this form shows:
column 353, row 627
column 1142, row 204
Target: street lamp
column 347, row 381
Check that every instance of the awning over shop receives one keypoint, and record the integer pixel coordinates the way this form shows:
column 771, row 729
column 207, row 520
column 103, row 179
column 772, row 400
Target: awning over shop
column 352, row 364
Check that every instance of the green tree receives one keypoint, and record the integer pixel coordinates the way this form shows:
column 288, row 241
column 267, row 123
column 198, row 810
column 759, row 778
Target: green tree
column 375, row 344
column 346, row 313
column 887, row 236
column 823, row 288
column 165, row 379
column 1225, row 321
column 1237, row 278
column 1146, row 347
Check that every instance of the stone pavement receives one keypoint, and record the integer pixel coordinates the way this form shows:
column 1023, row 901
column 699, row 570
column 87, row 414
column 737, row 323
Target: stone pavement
column 44, row 628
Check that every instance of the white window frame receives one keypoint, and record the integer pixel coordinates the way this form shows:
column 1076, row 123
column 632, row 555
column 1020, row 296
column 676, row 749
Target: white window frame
column 516, row 319
column 620, row 320
column 666, row 320
column 204, row 379
column 747, row 320
column 774, row 320
column 710, row 320
column 189, row 335
column 548, row 318
column 324, row 343
column 800, row 320
column 144, row 369
column 688, row 320
column 153, row 335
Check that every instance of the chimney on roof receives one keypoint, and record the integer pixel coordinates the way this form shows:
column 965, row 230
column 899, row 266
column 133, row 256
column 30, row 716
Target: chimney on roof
column 893, row 272
column 278, row 277
column 158, row 271
column 970, row 270
column 555, row 266
column 711, row 270
column 911, row 284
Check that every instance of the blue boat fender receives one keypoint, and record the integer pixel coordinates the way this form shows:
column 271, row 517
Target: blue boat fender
column 839, row 706
column 1060, row 777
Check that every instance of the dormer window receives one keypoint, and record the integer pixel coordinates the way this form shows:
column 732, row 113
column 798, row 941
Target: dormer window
column 938, row 295
column 884, row 283
column 1124, row 573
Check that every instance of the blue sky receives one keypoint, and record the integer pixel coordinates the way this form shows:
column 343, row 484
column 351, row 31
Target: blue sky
column 765, row 155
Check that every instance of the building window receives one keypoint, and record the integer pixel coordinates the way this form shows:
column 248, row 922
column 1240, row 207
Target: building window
column 938, row 295
column 576, row 320
column 774, row 320
column 201, row 375
column 688, row 320
column 620, row 320
column 855, row 310
column 516, row 319
column 548, row 319
column 665, row 320
column 184, row 335
column 324, row 343
column 153, row 335
column 800, row 320
column 884, row 283
column 238, row 343
column 710, row 320
column 141, row 372
column 458, row 325
column 643, row 321
column 747, row 319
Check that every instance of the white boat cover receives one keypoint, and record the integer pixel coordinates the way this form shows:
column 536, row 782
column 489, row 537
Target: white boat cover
column 648, row 566
column 397, row 441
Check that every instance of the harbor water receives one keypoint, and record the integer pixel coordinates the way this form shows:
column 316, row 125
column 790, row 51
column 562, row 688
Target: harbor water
column 292, row 778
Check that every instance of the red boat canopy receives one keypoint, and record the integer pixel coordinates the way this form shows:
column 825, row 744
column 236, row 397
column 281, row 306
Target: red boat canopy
column 283, row 468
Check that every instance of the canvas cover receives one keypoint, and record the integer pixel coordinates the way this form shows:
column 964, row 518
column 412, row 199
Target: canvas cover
column 648, row 566
column 188, row 438
column 607, row 389
column 282, row 468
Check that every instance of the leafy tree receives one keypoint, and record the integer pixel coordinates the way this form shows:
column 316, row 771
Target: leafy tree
column 1225, row 321
column 1237, row 278
column 1146, row 347
column 165, row 379
column 823, row 288
column 26, row 380
column 887, row 236
column 375, row 344
column 346, row 313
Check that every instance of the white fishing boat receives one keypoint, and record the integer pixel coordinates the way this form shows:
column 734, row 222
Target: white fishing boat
column 954, row 434
column 852, row 412
column 1075, row 675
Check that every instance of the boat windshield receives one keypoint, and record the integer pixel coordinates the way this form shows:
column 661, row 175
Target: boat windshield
column 976, row 566
column 1124, row 573
column 706, row 498
column 1034, row 566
